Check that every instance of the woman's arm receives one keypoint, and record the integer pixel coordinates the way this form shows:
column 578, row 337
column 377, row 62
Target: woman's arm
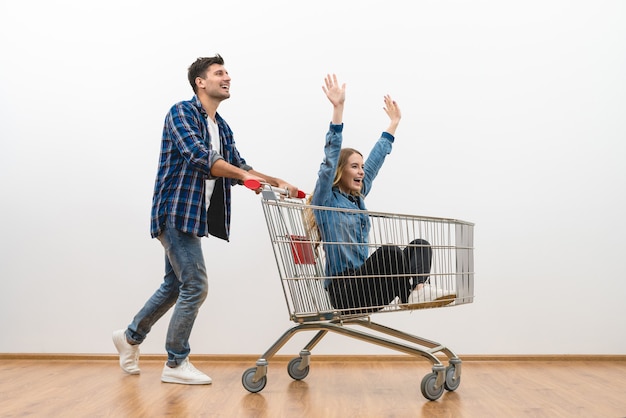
column 382, row 147
column 323, row 187
column 337, row 96
column 393, row 111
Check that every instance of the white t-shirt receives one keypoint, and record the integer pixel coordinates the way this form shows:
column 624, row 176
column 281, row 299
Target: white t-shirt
column 214, row 133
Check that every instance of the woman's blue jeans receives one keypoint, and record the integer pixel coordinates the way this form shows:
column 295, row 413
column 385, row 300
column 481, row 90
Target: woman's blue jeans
column 185, row 286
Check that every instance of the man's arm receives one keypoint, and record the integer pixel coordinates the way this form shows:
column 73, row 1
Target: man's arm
column 221, row 168
column 277, row 182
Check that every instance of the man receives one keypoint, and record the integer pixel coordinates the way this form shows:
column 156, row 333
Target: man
column 198, row 163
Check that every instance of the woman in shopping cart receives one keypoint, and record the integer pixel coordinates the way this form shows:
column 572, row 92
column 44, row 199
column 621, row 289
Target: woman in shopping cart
column 357, row 279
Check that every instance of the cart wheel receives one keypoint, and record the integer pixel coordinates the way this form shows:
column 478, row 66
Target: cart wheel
column 451, row 383
column 294, row 371
column 251, row 386
column 428, row 387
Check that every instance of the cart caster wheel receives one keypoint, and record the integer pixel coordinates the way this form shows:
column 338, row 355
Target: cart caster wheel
column 251, row 386
column 428, row 387
column 451, row 383
column 294, row 371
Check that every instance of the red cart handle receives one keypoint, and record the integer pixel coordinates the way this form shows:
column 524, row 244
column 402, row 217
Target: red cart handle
column 255, row 184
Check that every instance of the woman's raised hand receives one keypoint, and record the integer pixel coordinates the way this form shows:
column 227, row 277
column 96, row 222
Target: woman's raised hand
column 335, row 93
column 393, row 111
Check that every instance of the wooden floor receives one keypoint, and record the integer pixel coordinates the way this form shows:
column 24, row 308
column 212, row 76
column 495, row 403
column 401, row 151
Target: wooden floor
column 333, row 388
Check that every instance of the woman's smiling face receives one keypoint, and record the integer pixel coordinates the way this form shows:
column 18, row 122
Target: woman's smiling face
column 352, row 174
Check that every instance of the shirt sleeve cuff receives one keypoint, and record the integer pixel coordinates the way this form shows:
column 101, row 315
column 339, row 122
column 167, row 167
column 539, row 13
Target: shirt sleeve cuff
column 388, row 136
column 336, row 128
column 215, row 156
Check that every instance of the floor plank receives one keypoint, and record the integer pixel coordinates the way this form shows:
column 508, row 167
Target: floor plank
column 98, row 388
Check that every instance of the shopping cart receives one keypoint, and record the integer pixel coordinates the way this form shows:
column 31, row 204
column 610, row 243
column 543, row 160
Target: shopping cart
column 300, row 259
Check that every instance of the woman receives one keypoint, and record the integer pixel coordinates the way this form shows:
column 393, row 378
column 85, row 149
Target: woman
column 344, row 180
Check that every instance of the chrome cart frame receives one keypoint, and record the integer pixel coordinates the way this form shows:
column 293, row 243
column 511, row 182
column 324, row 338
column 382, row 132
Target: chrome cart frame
column 301, row 261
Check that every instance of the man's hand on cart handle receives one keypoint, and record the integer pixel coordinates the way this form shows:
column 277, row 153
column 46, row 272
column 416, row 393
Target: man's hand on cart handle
column 257, row 185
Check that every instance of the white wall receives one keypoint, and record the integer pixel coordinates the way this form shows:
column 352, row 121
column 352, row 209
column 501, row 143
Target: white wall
column 513, row 118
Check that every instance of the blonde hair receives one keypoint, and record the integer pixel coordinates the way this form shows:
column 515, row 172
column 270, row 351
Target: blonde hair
column 312, row 228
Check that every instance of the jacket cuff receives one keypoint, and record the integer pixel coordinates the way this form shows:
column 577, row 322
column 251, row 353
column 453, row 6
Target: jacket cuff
column 388, row 136
column 336, row 128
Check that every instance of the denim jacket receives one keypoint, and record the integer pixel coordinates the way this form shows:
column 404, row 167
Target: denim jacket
column 346, row 227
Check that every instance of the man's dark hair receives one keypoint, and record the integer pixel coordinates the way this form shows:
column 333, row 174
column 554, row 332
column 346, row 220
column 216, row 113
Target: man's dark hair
column 200, row 67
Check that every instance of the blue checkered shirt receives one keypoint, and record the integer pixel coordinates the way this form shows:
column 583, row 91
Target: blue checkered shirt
column 185, row 165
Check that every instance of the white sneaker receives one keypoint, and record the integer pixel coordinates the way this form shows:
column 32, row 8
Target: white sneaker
column 184, row 374
column 394, row 305
column 430, row 297
column 129, row 354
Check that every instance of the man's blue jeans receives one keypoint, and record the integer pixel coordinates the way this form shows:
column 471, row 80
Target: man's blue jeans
column 184, row 286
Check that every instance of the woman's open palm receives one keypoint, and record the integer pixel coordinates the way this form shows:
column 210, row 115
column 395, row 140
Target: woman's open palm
column 335, row 93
